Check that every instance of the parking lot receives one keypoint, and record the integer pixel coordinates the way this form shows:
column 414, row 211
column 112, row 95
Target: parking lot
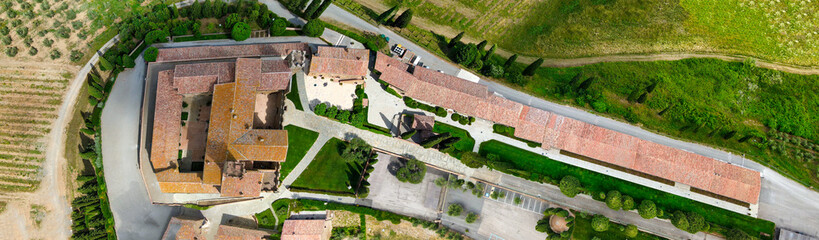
column 386, row 192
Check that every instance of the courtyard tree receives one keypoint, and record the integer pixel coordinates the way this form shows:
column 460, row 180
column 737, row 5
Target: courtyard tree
column 600, row 223
column 356, row 150
column 631, row 231
column 570, row 186
column 403, row 20
column 455, row 210
column 278, row 27
column 614, row 200
column 412, row 172
column 471, row 217
column 313, row 28
column 647, row 209
column 241, row 31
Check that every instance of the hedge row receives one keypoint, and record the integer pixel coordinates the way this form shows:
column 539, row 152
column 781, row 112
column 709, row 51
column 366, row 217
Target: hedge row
column 439, row 111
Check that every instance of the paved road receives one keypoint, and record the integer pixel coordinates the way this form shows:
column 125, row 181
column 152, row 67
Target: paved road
column 801, row 201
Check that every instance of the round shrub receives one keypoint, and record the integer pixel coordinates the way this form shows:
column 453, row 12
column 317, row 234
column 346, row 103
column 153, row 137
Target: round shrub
column 151, row 54
column 631, row 231
column 455, row 210
column 600, row 223
column 278, row 27
column 241, row 31
column 614, row 200
column 647, row 209
column 628, row 203
column 570, row 186
column 680, row 220
column 313, row 28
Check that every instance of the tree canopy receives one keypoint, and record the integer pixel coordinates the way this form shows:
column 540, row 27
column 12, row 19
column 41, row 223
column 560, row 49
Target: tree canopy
column 600, row 223
column 455, row 210
column 404, row 19
column 614, row 200
column 412, row 172
column 313, row 28
column 647, row 209
column 356, row 151
column 151, row 54
column 278, row 27
column 241, row 31
column 570, row 186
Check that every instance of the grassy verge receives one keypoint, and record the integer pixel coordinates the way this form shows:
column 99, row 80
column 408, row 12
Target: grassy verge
column 98, row 42
column 583, row 231
column 465, row 144
column 299, row 142
column 293, row 95
column 530, row 165
column 328, row 172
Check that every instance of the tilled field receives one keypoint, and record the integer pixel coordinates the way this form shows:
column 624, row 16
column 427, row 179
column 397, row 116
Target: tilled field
column 30, row 94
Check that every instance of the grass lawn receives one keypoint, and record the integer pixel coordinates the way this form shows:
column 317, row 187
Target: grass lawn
column 583, row 231
column 328, row 172
column 466, row 144
column 596, row 182
column 299, row 141
column 266, row 219
column 293, row 95
column 580, row 28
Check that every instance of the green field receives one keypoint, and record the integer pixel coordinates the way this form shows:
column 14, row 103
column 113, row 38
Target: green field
column 466, row 144
column 777, row 31
column 525, row 163
column 582, row 230
column 299, row 140
column 328, row 172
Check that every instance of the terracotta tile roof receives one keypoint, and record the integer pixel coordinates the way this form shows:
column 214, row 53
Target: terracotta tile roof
column 238, row 182
column 274, row 82
column 530, row 125
column 654, row 159
column 398, row 78
column 218, row 131
column 200, row 78
column 166, row 128
column 316, row 229
column 260, row 145
column 182, row 228
column 422, row 122
column 384, row 62
column 335, row 66
column 231, row 51
column 275, row 66
column 451, row 82
column 343, row 53
column 227, row 232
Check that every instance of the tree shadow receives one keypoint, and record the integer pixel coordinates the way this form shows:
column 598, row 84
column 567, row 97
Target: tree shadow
column 394, row 165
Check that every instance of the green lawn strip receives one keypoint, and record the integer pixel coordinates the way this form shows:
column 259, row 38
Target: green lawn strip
column 293, row 95
column 203, row 37
column 328, row 172
column 266, row 219
column 582, row 230
column 466, row 144
column 299, row 141
column 526, row 163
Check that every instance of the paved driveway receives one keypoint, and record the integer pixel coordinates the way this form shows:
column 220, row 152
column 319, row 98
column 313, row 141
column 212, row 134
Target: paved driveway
column 135, row 216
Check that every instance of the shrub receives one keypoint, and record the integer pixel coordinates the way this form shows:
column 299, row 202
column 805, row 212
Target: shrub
column 473, row 159
column 471, row 217
column 240, row 32
column 570, row 186
column 518, row 201
column 435, row 140
column 313, row 28
column 356, row 151
column 679, row 220
column 7, row 40
column 127, row 61
column 151, row 54
column 156, row 36
column 464, row 53
column 312, row 8
column 55, row 54
column 492, row 70
column 514, row 76
column 696, row 222
column 647, row 209
column 631, row 231
column 32, row 51
column 232, row 19
column 409, row 134
column 600, row 223
column 614, row 200
column 413, row 172
column 542, row 226
column 278, row 27
column 76, row 55
column 628, row 203
column 736, row 234
column 455, row 40
column 455, row 210
column 11, row 51
column 22, row 32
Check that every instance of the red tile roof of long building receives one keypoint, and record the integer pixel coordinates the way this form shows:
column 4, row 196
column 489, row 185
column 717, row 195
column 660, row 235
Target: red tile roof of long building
column 384, row 62
column 654, row 159
column 557, row 131
column 340, row 61
column 230, row 51
column 167, row 112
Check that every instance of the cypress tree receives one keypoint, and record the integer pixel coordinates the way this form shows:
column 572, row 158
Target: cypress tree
column 404, row 19
column 482, row 45
column 510, row 61
column 301, row 5
column 386, row 15
column 489, row 53
column 314, row 5
column 530, row 70
column 642, row 98
column 321, row 9
column 585, row 84
column 455, row 40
